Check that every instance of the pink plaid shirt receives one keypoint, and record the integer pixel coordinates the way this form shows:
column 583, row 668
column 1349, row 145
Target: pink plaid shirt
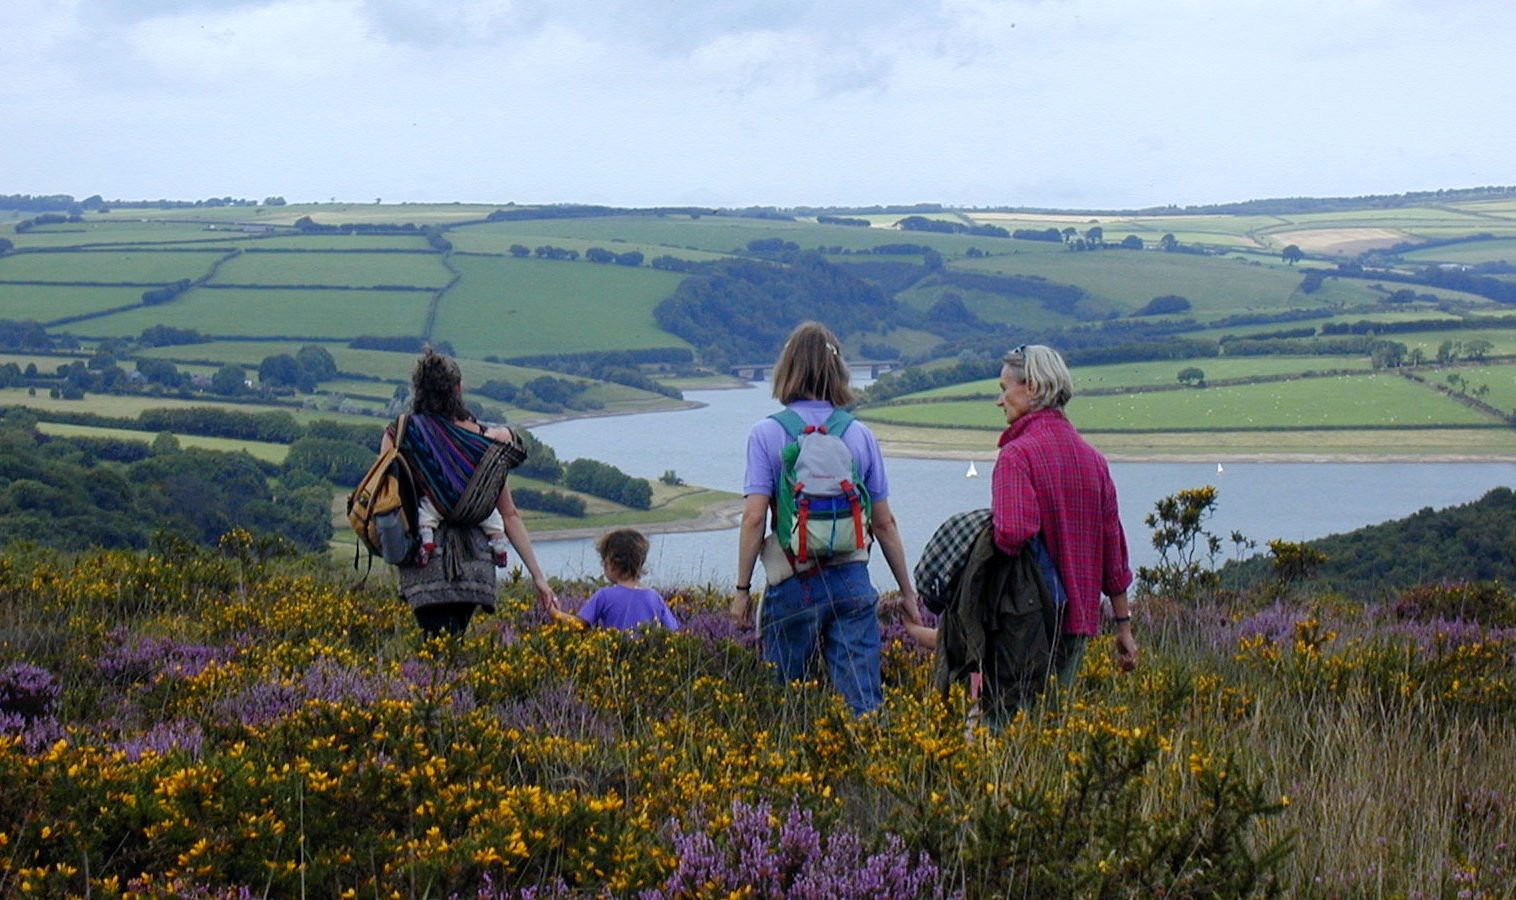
column 1048, row 479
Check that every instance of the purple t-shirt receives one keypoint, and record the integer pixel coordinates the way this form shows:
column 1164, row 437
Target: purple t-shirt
column 624, row 607
column 768, row 437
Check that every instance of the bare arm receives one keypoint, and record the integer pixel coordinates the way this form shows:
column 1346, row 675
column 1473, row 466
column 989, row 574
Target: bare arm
column 1126, row 645
column 515, row 530
column 755, row 508
column 887, row 533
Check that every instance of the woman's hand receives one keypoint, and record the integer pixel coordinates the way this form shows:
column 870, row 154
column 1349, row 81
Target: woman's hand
column 741, row 608
column 910, row 604
column 546, row 595
column 1126, row 647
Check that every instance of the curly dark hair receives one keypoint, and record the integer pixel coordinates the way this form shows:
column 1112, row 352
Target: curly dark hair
column 435, row 384
column 624, row 550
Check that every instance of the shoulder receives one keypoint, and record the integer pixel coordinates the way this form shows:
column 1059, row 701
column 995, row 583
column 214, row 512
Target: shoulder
column 499, row 433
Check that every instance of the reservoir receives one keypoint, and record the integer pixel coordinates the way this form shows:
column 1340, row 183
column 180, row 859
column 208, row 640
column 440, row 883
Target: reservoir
column 1262, row 500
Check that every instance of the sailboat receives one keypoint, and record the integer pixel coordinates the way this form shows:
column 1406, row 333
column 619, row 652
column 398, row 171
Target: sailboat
column 972, row 472
column 1219, row 469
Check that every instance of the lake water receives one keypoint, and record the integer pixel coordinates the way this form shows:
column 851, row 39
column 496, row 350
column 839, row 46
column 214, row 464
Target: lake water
column 1293, row 501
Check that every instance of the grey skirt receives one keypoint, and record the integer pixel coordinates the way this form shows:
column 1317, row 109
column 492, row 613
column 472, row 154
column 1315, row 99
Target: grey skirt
column 475, row 581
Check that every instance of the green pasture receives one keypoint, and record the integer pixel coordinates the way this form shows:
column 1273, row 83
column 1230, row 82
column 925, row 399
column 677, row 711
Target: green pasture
column 340, row 242
column 1166, row 372
column 474, row 240
column 47, row 303
column 1129, row 279
column 670, row 504
column 1502, row 339
column 1383, row 444
column 252, row 313
column 1380, row 400
column 717, row 234
column 327, row 213
column 1502, row 208
column 128, row 405
column 274, row 453
column 140, row 266
column 516, row 307
column 1500, row 378
column 1472, row 252
column 44, row 362
column 107, row 231
column 1477, row 226
column 355, row 269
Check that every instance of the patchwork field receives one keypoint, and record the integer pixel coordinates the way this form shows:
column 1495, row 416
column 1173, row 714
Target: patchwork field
column 274, row 453
column 276, row 313
column 142, row 267
column 351, row 269
column 42, row 303
column 514, row 307
column 1377, row 400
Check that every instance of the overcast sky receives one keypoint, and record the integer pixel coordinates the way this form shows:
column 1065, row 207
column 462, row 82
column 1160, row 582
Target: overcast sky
column 1061, row 103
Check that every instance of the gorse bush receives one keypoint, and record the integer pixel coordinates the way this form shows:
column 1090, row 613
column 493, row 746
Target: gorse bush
column 240, row 722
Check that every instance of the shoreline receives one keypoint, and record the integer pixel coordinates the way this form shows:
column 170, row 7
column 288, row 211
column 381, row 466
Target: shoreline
column 894, row 450
column 716, row 517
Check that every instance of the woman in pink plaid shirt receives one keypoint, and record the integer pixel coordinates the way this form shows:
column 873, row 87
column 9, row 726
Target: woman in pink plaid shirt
column 1048, row 480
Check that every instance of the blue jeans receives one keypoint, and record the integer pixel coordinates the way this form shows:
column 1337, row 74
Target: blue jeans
column 833, row 612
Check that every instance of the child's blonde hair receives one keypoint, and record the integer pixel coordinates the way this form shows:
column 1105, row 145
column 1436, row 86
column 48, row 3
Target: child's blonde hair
column 624, row 551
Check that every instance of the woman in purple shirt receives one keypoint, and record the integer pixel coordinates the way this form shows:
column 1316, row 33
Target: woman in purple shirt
column 827, row 609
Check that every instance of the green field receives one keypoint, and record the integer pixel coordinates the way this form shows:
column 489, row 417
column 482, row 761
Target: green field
column 516, row 307
column 340, row 242
column 105, row 231
column 128, row 406
column 1144, row 374
column 1469, row 253
column 1499, row 378
column 715, row 234
column 142, row 267
column 478, row 240
column 274, row 453
column 43, row 362
column 1129, row 279
column 42, row 303
column 1378, row 400
column 275, row 313
column 353, row 269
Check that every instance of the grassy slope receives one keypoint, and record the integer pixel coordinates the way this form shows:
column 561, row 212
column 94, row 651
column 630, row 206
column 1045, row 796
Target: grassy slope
column 513, row 307
column 354, row 269
column 275, row 313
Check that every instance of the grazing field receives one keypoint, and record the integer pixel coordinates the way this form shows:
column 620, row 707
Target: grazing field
column 1166, row 372
column 477, row 240
column 44, row 303
column 125, row 406
column 1502, row 340
column 354, row 241
column 514, row 307
column 1378, row 400
column 722, row 234
column 274, row 453
column 1468, row 253
column 43, row 362
column 103, row 232
column 352, row 269
column 276, row 313
column 1500, row 379
column 1129, row 279
column 140, row 266
column 1019, row 312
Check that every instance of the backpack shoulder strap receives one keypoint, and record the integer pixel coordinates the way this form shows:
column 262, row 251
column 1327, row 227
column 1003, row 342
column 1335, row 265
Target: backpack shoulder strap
column 400, row 424
column 837, row 422
column 793, row 425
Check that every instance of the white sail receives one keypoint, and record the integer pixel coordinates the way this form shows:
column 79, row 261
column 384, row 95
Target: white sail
column 1219, row 469
column 972, row 472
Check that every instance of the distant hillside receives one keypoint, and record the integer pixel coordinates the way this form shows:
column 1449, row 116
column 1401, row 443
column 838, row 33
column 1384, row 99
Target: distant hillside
column 1472, row 542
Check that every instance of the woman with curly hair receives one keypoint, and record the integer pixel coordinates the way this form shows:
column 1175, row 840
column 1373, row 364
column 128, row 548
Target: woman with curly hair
column 460, row 468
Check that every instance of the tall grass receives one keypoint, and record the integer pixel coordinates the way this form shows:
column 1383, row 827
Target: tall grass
column 189, row 723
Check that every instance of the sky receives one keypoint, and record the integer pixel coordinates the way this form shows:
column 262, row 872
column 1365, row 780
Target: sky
column 1085, row 104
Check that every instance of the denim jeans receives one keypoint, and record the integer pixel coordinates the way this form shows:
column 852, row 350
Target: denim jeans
column 831, row 615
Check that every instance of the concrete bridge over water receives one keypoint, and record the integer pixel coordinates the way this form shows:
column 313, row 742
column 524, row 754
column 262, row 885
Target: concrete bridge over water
column 874, row 368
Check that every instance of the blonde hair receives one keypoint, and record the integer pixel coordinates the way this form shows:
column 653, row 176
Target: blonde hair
column 811, row 367
column 1045, row 371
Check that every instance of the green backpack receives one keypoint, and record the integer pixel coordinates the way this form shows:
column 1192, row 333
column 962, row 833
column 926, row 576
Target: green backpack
column 821, row 507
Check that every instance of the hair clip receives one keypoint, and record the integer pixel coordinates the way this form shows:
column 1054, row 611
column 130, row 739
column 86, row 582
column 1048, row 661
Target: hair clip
column 833, row 348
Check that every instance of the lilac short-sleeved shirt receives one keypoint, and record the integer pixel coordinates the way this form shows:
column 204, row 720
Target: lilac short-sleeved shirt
column 624, row 607
column 768, row 437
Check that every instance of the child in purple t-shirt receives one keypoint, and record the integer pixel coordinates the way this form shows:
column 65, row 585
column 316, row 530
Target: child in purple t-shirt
column 626, row 603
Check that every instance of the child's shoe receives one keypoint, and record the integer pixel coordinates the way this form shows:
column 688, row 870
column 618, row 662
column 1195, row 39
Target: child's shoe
column 424, row 554
column 500, row 551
